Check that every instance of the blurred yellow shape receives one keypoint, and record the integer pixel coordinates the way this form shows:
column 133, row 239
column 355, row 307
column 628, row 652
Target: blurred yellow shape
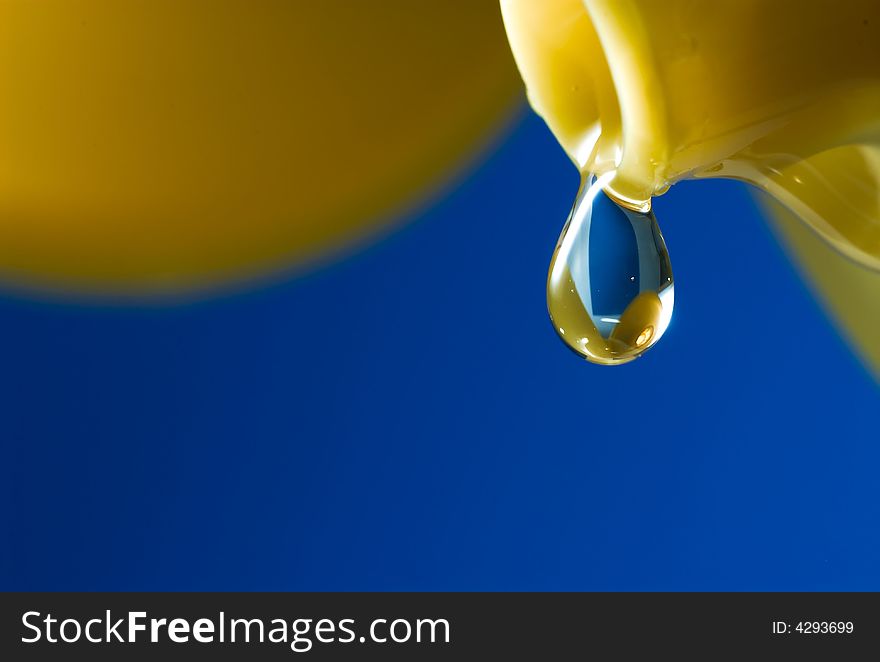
column 847, row 289
column 150, row 146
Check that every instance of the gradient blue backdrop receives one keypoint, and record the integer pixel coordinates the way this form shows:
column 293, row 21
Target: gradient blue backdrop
column 407, row 419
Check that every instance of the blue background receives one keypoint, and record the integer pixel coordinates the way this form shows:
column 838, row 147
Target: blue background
column 407, row 419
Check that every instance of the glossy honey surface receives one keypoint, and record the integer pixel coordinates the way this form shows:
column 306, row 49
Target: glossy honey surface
column 659, row 91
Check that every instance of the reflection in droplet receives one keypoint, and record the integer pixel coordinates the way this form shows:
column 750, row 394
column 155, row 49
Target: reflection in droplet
column 610, row 287
column 645, row 336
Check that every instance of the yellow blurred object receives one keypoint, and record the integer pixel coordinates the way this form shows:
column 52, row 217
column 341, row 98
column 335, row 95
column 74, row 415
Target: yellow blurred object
column 847, row 289
column 781, row 93
column 149, row 146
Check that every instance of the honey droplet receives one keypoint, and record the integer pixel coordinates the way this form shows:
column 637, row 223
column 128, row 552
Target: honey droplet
column 610, row 291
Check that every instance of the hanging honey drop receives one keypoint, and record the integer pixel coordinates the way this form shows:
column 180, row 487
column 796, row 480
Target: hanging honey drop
column 610, row 290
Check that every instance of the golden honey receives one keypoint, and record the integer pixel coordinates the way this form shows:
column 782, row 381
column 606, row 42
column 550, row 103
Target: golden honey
column 782, row 94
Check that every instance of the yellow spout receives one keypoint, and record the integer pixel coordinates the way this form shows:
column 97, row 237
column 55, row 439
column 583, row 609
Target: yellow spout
column 657, row 92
